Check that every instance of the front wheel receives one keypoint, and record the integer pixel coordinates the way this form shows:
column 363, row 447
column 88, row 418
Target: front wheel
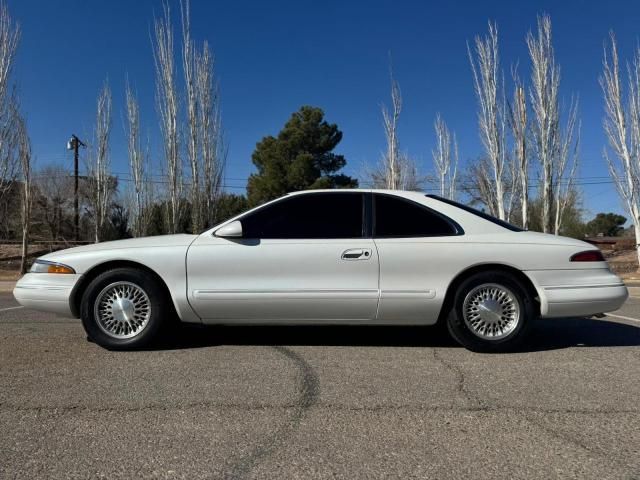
column 124, row 308
column 491, row 312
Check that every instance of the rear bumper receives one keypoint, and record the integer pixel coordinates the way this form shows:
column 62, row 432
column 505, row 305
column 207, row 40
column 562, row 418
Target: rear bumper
column 46, row 292
column 574, row 293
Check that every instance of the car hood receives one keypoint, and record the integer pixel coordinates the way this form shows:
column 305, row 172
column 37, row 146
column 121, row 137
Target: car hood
column 142, row 242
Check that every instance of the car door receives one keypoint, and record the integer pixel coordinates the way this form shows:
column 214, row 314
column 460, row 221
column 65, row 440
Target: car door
column 307, row 257
column 414, row 247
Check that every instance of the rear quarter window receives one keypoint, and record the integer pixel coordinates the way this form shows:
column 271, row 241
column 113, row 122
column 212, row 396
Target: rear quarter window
column 396, row 217
column 478, row 213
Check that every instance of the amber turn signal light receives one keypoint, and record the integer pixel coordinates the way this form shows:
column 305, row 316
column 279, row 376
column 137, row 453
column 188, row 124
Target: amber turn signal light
column 59, row 269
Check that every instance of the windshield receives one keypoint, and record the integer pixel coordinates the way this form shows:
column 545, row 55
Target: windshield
column 478, row 213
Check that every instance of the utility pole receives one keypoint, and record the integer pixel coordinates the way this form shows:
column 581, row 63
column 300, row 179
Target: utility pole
column 74, row 144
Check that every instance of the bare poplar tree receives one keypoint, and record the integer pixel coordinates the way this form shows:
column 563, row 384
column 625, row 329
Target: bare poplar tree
column 9, row 38
column 9, row 158
column 189, row 68
column 445, row 159
column 622, row 127
column 519, row 129
column 139, row 206
column 391, row 160
column 24, row 153
column 488, row 84
column 566, row 166
column 167, row 104
column 100, row 165
column 211, row 139
column 551, row 145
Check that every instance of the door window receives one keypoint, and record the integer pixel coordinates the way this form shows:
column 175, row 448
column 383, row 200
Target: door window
column 312, row 215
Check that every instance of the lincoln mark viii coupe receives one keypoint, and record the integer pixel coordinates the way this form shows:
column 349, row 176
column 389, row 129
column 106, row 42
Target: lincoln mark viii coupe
column 374, row 257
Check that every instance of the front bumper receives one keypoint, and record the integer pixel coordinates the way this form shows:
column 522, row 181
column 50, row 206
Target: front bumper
column 48, row 292
column 576, row 293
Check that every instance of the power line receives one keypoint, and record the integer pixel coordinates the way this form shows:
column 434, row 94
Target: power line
column 464, row 186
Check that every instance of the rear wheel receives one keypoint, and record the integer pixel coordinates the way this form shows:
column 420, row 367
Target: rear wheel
column 124, row 308
column 491, row 312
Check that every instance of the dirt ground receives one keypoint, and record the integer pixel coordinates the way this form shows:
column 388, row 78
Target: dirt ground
column 624, row 263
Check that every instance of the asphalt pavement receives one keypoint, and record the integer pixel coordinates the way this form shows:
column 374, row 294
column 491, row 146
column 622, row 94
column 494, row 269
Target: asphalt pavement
column 320, row 402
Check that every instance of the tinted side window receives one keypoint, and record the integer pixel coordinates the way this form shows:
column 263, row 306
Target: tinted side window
column 478, row 213
column 315, row 215
column 396, row 217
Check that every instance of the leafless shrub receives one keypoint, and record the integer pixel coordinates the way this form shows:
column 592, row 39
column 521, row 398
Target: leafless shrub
column 53, row 199
column 408, row 178
column 479, row 184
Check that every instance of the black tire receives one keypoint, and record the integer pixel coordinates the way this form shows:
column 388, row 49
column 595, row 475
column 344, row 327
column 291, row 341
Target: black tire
column 464, row 335
column 161, row 309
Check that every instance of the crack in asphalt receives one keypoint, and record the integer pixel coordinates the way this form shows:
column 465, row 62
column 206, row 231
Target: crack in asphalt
column 308, row 393
column 461, row 381
column 560, row 435
column 564, row 437
column 525, row 413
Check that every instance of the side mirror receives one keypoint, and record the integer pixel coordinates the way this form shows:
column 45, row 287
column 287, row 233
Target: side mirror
column 230, row 230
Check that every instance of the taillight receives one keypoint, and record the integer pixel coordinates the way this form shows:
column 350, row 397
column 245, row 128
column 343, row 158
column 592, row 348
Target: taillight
column 588, row 256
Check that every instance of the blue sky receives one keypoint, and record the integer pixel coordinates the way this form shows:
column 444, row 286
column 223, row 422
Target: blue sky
column 273, row 57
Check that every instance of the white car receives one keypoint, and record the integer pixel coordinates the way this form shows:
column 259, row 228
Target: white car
column 330, row 257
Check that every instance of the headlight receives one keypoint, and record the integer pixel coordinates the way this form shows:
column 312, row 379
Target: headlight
column 44, row 266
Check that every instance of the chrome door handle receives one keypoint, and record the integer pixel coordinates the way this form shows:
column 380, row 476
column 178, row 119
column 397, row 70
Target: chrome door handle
column 356, row 254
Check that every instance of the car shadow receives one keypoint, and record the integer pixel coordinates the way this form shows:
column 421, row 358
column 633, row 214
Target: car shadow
column 547, row 334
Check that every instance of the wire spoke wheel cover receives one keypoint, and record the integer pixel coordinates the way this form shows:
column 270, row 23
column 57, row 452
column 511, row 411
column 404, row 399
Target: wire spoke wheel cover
column 491, row 311
column 122, row 310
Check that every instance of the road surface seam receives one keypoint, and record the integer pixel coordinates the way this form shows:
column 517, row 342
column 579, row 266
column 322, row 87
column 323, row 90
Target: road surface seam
column 318, row 406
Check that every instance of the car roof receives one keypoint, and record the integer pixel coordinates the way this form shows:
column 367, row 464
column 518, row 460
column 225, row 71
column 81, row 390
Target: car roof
column 402, row 193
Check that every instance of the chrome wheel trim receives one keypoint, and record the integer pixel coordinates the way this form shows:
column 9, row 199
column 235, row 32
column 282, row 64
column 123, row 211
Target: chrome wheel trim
column 122, row 310
column 491, row 311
